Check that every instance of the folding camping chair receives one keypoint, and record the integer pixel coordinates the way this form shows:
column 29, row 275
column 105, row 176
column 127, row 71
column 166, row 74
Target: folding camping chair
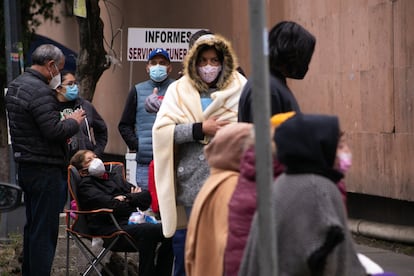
column 77, row 229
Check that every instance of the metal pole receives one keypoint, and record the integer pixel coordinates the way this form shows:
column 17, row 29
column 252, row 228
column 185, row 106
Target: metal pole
column 12, row 36
column 261, row 108
column 11, row 40
column 12, row 29
column 13, row 49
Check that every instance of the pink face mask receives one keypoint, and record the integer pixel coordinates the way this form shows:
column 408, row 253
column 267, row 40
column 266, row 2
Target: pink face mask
column 208, row 73
column 345, row 161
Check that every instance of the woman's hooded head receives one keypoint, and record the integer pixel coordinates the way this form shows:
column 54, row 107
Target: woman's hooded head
column 226, row 148
column 225, row 54
column 307, row 143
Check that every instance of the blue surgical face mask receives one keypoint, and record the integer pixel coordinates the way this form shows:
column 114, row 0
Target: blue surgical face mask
column 158, row 73
column 71, row 92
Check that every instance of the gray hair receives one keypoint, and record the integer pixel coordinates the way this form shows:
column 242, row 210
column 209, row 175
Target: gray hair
column 45, row 53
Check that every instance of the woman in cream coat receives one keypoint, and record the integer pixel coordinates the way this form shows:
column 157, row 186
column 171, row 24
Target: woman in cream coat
column 193, row 109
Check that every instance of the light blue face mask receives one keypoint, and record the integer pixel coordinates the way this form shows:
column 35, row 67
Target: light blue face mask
column 158, row 73
column 71, row 92
column 205, row 102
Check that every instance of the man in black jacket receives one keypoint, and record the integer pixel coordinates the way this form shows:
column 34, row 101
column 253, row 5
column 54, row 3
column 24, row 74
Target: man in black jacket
column 38, row 140
column 290, row 51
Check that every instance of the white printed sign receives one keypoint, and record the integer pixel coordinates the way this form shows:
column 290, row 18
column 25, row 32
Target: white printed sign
column 141, row 41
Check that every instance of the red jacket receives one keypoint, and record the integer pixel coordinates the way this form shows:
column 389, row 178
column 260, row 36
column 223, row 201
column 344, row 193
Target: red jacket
column 152, row 189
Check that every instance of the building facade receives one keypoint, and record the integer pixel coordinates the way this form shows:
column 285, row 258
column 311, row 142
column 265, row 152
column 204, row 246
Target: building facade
column 362, row 71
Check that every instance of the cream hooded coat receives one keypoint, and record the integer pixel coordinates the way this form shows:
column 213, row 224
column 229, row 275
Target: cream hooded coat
column 182, row 105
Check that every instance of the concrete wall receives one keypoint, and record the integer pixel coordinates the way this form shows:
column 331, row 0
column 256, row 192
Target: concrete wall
column 362, row 71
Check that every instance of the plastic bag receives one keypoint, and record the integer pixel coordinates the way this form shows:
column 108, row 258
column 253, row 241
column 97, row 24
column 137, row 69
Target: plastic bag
column 140, row 217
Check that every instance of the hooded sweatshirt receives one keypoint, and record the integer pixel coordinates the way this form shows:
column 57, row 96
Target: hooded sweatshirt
column 310, row 220
column 178, row 142
column 290, row 51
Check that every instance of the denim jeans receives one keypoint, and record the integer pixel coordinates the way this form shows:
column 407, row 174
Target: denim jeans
column 179, row 252
column 179, row 248
column 42, row 186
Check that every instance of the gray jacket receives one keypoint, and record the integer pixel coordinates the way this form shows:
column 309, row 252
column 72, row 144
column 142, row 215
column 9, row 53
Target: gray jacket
column 191, row 168
column 311, row 229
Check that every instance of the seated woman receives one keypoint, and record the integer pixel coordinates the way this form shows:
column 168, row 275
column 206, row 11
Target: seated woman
column 97, row 189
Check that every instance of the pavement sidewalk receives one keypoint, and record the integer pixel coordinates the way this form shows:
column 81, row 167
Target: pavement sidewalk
column 400, row 264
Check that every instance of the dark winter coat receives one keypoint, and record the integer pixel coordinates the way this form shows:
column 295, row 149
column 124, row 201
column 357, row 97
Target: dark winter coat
column 37, row 133
column 94, row 193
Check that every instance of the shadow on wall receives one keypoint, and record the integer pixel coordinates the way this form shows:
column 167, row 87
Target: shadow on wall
column 380, row 209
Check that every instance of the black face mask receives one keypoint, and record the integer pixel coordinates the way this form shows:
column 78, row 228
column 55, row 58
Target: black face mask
column 298, row 74
column 297, row 67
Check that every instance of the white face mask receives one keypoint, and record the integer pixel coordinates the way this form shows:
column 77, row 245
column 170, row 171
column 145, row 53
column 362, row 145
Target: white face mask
column 96, row 167
column 209, row 73
column 56, row 80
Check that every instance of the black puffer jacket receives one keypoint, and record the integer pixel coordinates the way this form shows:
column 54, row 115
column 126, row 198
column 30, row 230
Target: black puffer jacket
column 36, row 131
